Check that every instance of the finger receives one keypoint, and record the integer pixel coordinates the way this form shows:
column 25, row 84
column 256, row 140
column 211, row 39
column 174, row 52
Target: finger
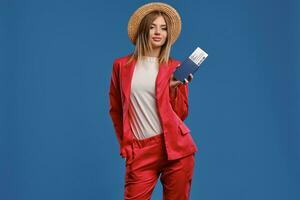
column 190, row 78
column 185, row 81
column 178, row 83
column 174, row 83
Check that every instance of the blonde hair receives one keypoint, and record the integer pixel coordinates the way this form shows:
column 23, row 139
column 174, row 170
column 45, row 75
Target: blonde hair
column 142, row 46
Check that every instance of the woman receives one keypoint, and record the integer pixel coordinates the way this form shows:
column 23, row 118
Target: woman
column 148, row 106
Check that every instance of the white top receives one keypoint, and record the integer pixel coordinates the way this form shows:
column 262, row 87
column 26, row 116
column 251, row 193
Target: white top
column 144, row 119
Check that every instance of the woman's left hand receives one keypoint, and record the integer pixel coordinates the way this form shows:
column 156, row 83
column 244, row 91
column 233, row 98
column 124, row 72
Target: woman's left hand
column 174, row 83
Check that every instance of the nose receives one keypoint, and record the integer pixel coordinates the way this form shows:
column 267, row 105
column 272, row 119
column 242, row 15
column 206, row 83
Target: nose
column 157, row 31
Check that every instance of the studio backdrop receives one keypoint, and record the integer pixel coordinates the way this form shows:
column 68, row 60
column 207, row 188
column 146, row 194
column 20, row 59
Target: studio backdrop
column 56, row 137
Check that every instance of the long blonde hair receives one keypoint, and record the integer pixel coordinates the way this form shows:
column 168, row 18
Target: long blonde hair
column 142, row 46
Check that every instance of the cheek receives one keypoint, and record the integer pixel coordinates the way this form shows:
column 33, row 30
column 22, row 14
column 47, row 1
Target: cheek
column 165, row 35
column 151, row 32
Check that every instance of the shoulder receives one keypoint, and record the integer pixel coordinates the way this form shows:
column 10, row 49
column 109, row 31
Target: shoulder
column 119, row 61
column 173, row 62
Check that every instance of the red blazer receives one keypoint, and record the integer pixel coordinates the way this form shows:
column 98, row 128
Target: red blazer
column 171, row 111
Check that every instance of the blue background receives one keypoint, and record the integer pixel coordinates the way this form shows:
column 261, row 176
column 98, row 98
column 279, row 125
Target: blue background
column 56, row 137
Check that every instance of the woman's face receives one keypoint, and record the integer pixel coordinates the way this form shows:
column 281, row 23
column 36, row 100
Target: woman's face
column 158, row 32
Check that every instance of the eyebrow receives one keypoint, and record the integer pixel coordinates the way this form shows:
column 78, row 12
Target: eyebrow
column 161, row 25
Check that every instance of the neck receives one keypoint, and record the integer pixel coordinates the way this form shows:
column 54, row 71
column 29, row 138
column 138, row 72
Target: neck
column 154, row 53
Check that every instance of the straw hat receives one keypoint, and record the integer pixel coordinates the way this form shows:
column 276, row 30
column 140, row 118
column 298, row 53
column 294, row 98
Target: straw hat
column 141, row 12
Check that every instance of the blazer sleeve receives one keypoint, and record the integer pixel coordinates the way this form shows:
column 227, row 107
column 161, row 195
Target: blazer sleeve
column 115, row 103
column 180, row 102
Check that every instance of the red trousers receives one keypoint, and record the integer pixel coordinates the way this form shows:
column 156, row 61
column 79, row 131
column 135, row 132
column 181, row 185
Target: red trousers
column 148, row 163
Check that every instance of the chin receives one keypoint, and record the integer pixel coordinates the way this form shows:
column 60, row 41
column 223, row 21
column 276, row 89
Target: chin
column 156, row 45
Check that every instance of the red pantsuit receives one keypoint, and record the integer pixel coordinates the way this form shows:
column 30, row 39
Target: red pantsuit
column 170, row 154
column 150, row 160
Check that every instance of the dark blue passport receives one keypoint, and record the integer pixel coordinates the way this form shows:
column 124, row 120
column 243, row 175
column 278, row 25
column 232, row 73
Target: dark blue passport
column 190, row 65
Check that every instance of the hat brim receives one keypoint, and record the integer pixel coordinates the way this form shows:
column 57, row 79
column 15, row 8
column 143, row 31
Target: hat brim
column 141, row 12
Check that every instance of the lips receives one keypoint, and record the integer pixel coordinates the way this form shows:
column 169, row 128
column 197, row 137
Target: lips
column 157, row 39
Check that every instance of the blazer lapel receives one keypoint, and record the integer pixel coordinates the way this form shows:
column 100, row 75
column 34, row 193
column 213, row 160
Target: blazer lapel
column 161, row 77
column 126, row 77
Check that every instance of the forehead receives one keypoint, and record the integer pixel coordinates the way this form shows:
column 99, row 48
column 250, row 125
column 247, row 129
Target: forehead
column 159, row 21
